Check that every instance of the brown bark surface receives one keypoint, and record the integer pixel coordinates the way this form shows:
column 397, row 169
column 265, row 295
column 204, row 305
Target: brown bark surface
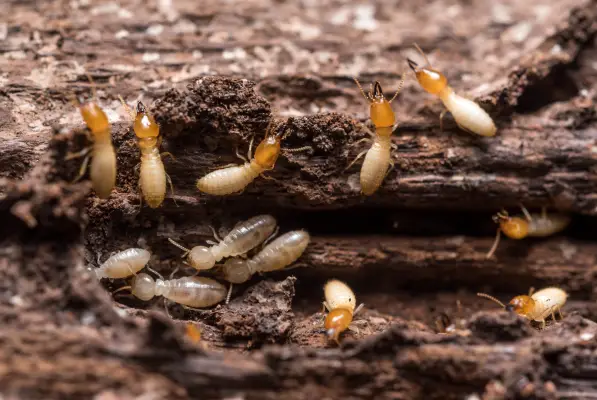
column 215, row 73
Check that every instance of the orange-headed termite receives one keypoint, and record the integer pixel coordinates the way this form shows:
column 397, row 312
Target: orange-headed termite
column 103, row 156
column 153, row 177
column 536, row 306
column 278, row 254
column 378, row 159
column 234, row 179
column 532, row 225
column 467, row 114
column 123, row 264
column 242, row 238
column 190, row 291
column 340, row 302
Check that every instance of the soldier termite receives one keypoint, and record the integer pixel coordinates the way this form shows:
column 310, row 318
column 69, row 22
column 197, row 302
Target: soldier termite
column 467, row 114
column 242, row 238
column 190, row 291
column 378, row 159
column 234, row 179
column 123, row 264
column 532, row 225
column 153, row 177
column 340, row 302
column 278, row 254
column 536, row 306
column 103, row 156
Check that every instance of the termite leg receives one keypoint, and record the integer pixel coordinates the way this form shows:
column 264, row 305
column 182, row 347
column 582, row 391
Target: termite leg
column 229, row 293
column 215, row 233
column 361, row 141
column 531, row 291
column 544, row 212
column 270, row 237
column 359, row 308
column 250, row 152
column 325, row 307
column 240, row 155
column 543, row 323
column 82, row 169
column 560, row 312
column 389, row 169
column 166, row 308
column 167, row 153
column 495, row 244
column 78, row 154
column 441, row 120
column 155, row 272
column 269, row 178
column 171, row 189
column 172, row 273
column 361, row 154
column 526, row 213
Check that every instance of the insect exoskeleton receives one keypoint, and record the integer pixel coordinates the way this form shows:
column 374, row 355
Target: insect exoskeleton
column 123, row 264
column 536, row 306
column 190, row 291
column 529, row 225
column 378, row 159
column 468, row 115
column 340, row 302
column 242, row 238
column 103, row 156
column 278, row 254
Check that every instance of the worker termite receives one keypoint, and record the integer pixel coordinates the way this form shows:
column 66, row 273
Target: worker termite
column 234, row 179
column 378, row 159
column 532, row 225
column 190, row 291
column 103, row 156
column 467, row 114
column 153, row 177
column 340, row 302
column 123, row 264
column 242, row 238
column 536, row 306
column 278, row 254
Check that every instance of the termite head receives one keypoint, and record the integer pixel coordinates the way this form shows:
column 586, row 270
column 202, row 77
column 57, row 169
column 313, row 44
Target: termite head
column 431, row 80
column 336, row 322
column 380, row 110
column 201, row 257
column 268, row 151
column 145, row 125
column 235, row 270
column 95, row 118
column 513, row 227
column 521, row 305
column 143, row 287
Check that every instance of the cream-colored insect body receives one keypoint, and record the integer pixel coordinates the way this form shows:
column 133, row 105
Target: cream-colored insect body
column 103, row 156
column 153, row 177
column 190, row 291
column 531, row 225
column 242, row 238
column 123, row 264
column 468, row 115
column 536, row 306
column 378, row 159
column 340, row 302
column 278, row 254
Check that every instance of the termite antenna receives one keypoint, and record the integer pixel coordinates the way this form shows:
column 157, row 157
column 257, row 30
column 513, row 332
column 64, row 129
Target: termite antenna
column 127, row 108
column 155, row 272
column 496, row 242
column 423, row 54
column 120, row 289
column 229, row 293
column 361, row 89
column 491, row 298
column 187, row 251
column 400, row 84
column 93, row 90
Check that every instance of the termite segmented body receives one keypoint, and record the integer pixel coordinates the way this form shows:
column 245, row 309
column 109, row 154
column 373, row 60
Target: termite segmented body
column 468, row 115
column 378, row 158
column 190, row 291
column 340, row 302
column 536, row 306
column 531, row 225
column 242, row 238
column 123, row 264
column 278, row 254
column 103, row 156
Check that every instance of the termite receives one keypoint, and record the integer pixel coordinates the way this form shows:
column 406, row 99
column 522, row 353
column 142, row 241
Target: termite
column 378, row 159
column 537, row 306
column 103, row 156
column 468, row 115
column 234, row 179
column 278, row 254
column 153, row 177
column 242, row 238
column 340, row 302
column 532, row 225
column 123, row 264
column 190, row 291
column 445, row 325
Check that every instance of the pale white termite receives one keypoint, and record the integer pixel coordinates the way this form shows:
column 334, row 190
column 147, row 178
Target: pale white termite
column 278, row 254
column 378, row 159
column 103, row 156
column 123, row 264
column 468, row 115
column 190, row 291
column 536, row 306
column 234, row 179
column 153, row 177
column 532, row 225
column 242, row 238
column 340, row 302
